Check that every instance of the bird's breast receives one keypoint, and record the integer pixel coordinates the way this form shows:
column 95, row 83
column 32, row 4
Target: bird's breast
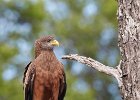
column 48, row 72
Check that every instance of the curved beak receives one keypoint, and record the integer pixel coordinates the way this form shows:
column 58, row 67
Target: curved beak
column 54, row 43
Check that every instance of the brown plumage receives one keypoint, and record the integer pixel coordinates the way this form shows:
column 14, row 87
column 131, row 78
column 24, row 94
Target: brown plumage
column 44, row 77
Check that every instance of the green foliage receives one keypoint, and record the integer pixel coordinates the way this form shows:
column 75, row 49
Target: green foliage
column 11, row 90
column 7, row 52
column 79, row 32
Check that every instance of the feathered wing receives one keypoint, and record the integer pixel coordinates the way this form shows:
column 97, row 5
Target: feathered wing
column 26, row 68
column 28, row 81
column 62, row 87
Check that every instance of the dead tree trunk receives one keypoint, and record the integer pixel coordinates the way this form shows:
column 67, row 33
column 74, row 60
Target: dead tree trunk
column 129, row 43
column 127, row 72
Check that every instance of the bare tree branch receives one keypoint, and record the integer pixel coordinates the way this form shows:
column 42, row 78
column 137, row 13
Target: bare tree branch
column 97, row 65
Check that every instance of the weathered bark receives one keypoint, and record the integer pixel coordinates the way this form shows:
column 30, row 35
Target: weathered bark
column 115, row 72
column 129, row 43
column 127, row 72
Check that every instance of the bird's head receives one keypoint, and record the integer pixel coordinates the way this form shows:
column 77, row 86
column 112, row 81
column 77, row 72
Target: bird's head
column 46, row 43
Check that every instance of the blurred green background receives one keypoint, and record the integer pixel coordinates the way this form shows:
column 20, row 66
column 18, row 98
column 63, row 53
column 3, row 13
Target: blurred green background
column 86, row 27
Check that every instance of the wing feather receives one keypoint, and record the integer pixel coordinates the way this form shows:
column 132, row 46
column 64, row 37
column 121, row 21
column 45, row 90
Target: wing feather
column 28, row 81
column 62, row 87
column 26, row 68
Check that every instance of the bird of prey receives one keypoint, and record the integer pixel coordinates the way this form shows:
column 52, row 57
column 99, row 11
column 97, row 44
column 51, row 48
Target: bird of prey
column 44, row 77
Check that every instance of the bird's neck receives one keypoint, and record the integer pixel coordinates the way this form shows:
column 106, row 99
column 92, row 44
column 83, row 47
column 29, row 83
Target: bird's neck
column 37, row 52
column 37, row 49
column 48, row 54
